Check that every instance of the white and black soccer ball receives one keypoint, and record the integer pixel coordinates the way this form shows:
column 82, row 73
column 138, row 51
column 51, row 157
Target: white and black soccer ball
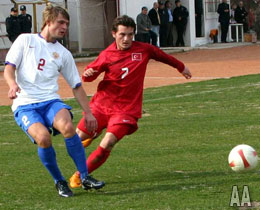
column 242, row 157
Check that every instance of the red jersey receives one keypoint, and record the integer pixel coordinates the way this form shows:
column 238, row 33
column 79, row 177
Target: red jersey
column 121, row 90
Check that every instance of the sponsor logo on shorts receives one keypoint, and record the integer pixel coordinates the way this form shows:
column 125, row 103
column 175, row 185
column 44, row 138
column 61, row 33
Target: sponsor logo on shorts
column 126, row 120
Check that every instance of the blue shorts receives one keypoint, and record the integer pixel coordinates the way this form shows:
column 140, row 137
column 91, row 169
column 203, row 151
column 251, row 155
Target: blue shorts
column 43, row 112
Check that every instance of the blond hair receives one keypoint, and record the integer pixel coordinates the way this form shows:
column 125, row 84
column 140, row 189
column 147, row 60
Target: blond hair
column 51, row 12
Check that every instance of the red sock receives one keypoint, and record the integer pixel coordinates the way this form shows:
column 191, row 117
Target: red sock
column 97, row 158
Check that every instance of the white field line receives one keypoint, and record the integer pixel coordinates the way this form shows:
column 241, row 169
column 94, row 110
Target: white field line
column 201, row 92
column 200, row 78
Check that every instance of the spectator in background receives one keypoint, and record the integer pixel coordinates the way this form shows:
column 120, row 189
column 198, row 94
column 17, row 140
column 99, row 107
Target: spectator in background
column 13, row 27
column 232, row 13
column 155, row 19
column 233, row 21
column 169, row 33
column 144, row 24
column 240, row 15
column 223, row 11
column 180, row 19
column 163, row 26
column 25, row 20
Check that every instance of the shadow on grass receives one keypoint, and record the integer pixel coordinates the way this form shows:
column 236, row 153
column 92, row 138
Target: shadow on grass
column 171, row 181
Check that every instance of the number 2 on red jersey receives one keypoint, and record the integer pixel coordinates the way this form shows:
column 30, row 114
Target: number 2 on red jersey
column 41, row 64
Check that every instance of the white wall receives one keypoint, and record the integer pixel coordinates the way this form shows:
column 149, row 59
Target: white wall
column 133, row 8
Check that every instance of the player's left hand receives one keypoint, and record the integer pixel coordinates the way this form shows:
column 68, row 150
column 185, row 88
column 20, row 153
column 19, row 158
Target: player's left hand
column 91, row 122
column 186, row 73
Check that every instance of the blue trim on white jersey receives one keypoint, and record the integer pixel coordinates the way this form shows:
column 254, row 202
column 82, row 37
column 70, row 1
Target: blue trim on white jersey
column 45, row 39
column 78, row 85
column 8, row 63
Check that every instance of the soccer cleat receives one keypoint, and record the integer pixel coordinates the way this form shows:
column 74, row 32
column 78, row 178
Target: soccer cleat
column 63, row 189
column 75, row 181
column 90, row 183
column 86, row 142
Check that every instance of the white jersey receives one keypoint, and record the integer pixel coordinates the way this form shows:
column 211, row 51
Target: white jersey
column 38, row 65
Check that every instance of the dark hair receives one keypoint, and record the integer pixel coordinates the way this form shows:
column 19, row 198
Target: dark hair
column 124, row 21
column 144, row 8
column 167, row 2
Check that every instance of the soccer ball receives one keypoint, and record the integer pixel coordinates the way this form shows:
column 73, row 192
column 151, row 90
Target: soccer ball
column 242, row 157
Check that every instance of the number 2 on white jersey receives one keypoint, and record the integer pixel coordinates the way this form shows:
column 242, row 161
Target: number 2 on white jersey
column 126, row 70
column 41, row 64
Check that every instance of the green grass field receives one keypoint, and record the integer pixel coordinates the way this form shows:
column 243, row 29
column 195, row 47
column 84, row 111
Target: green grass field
column 176, row 160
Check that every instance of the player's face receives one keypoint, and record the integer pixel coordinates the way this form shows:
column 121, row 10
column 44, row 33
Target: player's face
column 58, row 27
column 124, row 37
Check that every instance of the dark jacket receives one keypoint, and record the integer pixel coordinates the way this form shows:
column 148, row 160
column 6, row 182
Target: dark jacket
column 164, row 16
column 180, row 12
column 13, row 27
column 240, row 14
column 223, row 16
column 143, row 22
column 153, row 17
column 26, row 23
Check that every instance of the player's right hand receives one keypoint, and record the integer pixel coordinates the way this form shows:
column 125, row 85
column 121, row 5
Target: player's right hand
column 89, row 72
column 90, row 122
column 13, row 90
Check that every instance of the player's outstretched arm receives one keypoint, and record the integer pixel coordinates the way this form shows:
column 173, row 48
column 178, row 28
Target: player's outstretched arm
column 82, row 99
column 9, row 75
column 89, row 75
column 186, row 73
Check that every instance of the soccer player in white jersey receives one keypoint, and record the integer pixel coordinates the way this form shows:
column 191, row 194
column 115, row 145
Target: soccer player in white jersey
column 33, row 65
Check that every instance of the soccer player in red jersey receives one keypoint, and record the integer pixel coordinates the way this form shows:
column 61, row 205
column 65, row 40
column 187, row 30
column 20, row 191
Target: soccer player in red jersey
column 117, row 104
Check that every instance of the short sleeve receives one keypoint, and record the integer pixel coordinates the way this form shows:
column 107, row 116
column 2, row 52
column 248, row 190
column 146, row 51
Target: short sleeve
column 69, row 71
column 15, row 53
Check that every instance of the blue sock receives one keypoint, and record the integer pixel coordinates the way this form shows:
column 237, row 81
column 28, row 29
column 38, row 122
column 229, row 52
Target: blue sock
column 48, row 158
column 77, row 153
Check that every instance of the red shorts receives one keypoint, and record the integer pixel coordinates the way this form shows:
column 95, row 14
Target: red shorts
column 120, row 125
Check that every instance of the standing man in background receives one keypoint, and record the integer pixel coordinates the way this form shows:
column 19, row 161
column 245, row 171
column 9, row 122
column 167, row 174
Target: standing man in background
column 223, row 11
column 163, row 27
column 155, row 19
column 169, row 34
column 13, row 26
column 25, row 20
column 144, row 25
column 241, row 14
column 180, row 19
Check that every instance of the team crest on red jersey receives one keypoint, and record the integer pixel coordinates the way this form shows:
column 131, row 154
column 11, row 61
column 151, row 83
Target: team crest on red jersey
column 136, row 56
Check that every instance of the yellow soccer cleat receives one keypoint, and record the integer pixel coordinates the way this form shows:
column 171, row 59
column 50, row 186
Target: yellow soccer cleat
column 86, row 142
column 75, row 181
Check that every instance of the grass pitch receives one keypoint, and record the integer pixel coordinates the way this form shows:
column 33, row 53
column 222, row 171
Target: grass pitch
column 176, row 160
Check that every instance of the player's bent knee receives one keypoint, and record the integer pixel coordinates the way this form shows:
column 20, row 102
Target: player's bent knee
column 43, row 141
column 109, row 141
column 67, row 129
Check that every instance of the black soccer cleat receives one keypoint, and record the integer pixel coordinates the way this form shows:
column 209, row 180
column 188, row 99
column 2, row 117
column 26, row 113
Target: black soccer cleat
column 63, row 189
column 90, row 183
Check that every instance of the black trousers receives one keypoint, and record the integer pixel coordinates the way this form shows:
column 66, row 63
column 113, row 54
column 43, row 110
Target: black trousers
column 224, row 31
column 163, row 35
column 147, row 37
column 169, row 34
column 180, row 32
